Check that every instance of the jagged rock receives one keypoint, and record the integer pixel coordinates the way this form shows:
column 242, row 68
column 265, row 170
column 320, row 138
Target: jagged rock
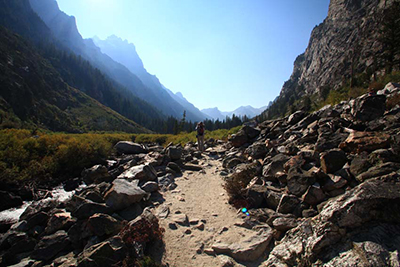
column 96, row 174
column 276, row 165
column 230, row 163
column 272, row 199
column 288, row 204
column 378, row 170
column 296, row 117
column 174, row 152
column 314, row 195
column 294, row 162
column 251, row 132
column 142, row 173
column 283, row 224
column 359, row 165
column 167, row 182
column 71, row 184
column 150, row 187
column 368, row 108
column 333, row 182
column 247, row 250
column 124, row 193
column 257, row 150
column 49, row 246
column 108, row 253
column 298, row 181
column 92, row 194
column 330, row 141
column 365, row 141
column 89, row 208
column 255, row 195
column 59, row 221
column 382, row 156
column 238, row 139
column 333, row 160
column 126, row 147
column 39, row 218
column 103, row 224
column 9, row 200
column 226, row 261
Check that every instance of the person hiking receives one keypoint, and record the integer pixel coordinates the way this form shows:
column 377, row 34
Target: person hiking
column 200, row 136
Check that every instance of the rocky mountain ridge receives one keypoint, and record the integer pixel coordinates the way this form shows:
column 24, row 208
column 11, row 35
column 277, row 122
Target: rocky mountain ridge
column 346, row 44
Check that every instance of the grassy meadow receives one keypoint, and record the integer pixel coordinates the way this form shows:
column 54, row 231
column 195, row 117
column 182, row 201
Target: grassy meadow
column 30, row 156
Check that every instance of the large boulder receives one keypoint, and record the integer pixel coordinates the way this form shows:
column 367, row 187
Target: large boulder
column 88, row 208
column 174, row 152
column 368, row 108
column 127, row 147
column 257, row 150
column 333, row 234
column 357, row 141
column 142, row 173
column 249, row 249
column 123, row 193
column 238, row 139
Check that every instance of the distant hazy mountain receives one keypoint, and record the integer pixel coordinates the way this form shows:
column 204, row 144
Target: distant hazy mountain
column 125, row 53
column 249, row 111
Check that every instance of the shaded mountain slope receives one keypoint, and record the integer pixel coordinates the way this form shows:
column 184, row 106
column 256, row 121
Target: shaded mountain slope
column 64, row 28
column 33, row 94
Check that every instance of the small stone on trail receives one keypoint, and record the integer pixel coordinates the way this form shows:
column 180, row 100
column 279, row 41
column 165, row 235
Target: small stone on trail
column 172, row 226
column 188, row 231
column 180, row 198
column 194, row 221
column 215, row 214
column 200, row 226
column 209, row 251
column 223, row 229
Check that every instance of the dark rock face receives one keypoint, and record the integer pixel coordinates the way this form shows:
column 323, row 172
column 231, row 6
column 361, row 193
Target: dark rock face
column 126, row 147
column 9, row 200
column 50, row 246
column 333, row 160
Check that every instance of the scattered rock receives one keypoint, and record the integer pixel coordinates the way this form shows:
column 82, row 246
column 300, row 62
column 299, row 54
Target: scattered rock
column 103, row 225
column 126, row 147
column 49, row 246
column 123, row 194
column 96, row 174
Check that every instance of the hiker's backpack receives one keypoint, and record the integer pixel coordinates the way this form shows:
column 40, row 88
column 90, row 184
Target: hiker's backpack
column 200, row 129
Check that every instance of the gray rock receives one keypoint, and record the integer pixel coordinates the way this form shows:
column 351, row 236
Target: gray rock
column 288, row 204
column 59, row 221
column 272, row 199
column 247, row 250
column 89, row 208
column 150, row 187
column 103, row 225
column 296, row 117
column 271, row 168
column 49, row 246
column 96, row 174
column 108, row 253
column 238, row 139
column 126, row 147
column 368, row 108
column 124, row 193
column 142, row 173
column 283, row 224
column 231, row 162
column 180, row 219
column 174, row 152
column 314, row 195
column 192, row 167
column 359, row 165
column 175, row 167
column 257, row 150
column 378, row 170
column 298, row 181
column 334, row 182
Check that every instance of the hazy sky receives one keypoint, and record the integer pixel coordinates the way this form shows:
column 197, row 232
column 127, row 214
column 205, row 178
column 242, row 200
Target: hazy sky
column 218, row 53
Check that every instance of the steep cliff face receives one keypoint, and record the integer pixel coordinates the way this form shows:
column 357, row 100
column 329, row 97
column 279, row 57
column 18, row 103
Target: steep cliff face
column 346, row 43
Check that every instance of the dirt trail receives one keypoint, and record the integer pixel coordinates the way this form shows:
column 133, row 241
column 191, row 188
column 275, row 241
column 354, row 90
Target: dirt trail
column 200, row 196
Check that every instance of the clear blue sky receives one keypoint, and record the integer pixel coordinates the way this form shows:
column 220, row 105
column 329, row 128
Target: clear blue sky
column 218, row 53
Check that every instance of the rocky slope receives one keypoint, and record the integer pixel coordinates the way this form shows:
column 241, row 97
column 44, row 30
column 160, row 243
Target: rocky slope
column 326, row 183
column 345, row 44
